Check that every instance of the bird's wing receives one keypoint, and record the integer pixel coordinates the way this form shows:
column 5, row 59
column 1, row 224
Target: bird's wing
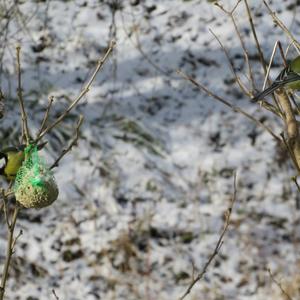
column 285, row 76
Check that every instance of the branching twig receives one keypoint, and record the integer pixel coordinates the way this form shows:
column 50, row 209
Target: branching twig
column 228, row 104
column 281, row 25
column 230, row 14
column 25, row 136
column 279, row 285
column 219, row 242
column 25, row 130
column 73, row 142
column 82, row 93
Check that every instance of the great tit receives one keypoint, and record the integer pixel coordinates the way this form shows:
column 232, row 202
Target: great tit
column 11, row 160
column 288, row 78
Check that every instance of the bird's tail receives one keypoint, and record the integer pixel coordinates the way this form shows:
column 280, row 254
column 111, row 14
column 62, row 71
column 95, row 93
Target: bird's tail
column 267, row 91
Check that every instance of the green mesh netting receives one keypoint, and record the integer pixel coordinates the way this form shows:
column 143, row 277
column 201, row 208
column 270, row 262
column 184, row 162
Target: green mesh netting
column 35, row 185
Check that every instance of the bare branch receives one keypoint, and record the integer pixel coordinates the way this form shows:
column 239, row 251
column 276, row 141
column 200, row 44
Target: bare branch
column 25, row 130
column 9, row 251
column 245, row 51
column 279, row 285
column 228, row 104
column 219, row 242
column 54, row 294
column 261, row 55
column 73, row 142
column 238, row 80
column 82, row 93
column 46, row 116
column 281, row 25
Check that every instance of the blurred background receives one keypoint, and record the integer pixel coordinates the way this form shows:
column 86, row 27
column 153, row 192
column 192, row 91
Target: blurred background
column 143, row 195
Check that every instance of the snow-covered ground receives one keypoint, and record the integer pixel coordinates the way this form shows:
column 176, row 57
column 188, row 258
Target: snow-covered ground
column 143, row 196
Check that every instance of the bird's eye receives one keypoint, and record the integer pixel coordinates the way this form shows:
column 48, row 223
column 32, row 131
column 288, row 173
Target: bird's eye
column 2, row 162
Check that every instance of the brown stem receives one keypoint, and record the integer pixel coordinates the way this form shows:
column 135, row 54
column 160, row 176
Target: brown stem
column 291, row 126
column 82, row 93
column 228, row 104
column 25, row 130
column 73, row 142
column 46, row 115
column 9, row 251
column 219, row 242
column 245, row 51
column 279, row 285
column 261, row 55
column 237, row 78
column 281, row 25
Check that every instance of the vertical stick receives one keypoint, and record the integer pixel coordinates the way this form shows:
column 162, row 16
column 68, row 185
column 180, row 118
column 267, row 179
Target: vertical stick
column 25, row 130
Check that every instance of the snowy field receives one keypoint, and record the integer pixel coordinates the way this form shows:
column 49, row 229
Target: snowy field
column 142, row 197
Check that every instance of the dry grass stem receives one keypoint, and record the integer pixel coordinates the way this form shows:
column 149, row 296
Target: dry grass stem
column 9, row 250
column 219, row 242
column 279, row 285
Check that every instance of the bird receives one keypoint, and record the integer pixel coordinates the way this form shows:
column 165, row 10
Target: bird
column 288, row 78
column 11, row 159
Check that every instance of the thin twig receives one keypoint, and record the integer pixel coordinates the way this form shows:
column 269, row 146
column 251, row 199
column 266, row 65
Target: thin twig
column 270, row 65
column 288, row 48
column 46, row 116
column 219, row 242
column 2, row 106
column 246, row 55
column 138, row 45
column 276, row 108
column 25, row 130
column 5, row 210
column 282, row 54
column 16, row 239
column 54, row 294
column 9, row 251
column 228, row 104
column 294, row 179
column 261, row 55
column 279, row 285
column 281, row 25
column 82, row 93
column 237, row 78
column 73, row 142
